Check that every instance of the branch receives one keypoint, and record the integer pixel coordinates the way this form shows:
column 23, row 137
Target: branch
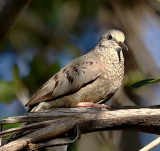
column 9, row 11
column 53, row 124
column 151, row 145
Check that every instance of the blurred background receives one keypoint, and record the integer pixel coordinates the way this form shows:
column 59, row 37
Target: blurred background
column 49, row 34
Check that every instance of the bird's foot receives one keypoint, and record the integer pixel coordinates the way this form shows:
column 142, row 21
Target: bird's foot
column 94, row 105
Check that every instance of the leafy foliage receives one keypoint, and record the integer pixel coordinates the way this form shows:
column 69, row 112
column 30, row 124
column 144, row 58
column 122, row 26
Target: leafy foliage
column 144, row 82
column 40, row 73
column 9, row 126
column 6, row 91
column 72, row 147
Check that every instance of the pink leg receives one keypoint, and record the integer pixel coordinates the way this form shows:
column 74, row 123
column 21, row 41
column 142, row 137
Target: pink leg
column 94, row 105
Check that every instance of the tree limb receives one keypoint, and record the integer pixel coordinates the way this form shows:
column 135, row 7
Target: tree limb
column 55, row 123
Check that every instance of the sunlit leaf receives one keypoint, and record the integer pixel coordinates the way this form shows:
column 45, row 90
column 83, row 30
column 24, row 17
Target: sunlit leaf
column 143, row 82
column 9, row 126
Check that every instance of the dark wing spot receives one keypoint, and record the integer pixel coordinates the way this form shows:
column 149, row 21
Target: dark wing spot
column 70, row 79
column 76, row 70
column 88, row 62
column 56, row 84
column 64, row 70
column 55, row 77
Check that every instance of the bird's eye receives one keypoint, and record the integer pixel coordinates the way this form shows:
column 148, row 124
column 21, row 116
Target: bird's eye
column 109, row 37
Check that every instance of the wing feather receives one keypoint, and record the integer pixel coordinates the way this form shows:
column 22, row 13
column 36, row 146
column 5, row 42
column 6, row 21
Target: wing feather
column 69, row 79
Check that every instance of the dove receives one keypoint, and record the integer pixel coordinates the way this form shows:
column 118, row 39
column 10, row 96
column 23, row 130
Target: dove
column 88, row 81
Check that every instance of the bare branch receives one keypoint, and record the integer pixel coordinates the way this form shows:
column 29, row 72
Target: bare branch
column 57, row 122
column 151, row 145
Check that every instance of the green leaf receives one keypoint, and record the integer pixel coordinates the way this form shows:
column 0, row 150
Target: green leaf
column 7, row 92
column 9, row 126
column 143, row 82
column 40, row 73
column 72, row 147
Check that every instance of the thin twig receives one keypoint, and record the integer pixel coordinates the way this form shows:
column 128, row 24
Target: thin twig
column 151, row 145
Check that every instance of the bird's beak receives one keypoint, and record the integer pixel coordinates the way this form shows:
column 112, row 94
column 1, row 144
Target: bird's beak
column 123, row 45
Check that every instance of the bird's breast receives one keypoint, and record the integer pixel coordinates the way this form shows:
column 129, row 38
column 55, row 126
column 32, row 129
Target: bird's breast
column 113, row 73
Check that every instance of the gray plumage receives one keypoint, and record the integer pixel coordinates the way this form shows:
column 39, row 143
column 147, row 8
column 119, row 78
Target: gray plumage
column 93, row 77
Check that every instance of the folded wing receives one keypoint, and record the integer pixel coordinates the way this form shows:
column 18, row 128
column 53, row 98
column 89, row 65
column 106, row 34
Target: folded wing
column 69, row 79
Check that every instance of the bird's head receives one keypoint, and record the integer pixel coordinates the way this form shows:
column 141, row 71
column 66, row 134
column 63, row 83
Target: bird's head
column 117, row 37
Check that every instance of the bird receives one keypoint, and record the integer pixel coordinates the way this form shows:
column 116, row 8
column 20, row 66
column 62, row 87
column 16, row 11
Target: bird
column 88, row 81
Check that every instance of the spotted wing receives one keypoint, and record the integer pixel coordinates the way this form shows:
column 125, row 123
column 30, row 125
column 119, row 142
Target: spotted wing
column 69, row 79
